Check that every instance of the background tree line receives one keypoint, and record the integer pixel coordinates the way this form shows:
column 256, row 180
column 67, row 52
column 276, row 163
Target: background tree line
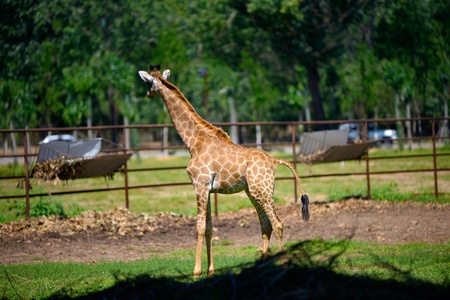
column 75, row 63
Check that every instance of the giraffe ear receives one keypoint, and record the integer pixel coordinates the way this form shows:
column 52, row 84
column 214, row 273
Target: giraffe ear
column 166, row 74
column 145, row 76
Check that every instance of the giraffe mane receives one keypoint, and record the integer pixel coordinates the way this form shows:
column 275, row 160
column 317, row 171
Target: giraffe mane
column 211, row 129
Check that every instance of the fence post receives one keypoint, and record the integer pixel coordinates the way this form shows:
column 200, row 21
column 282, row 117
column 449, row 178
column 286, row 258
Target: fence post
column 27, row 179
column 294, row 160
column 125, row 168
column 433, row 139
column 368, row 174
column 367, row 162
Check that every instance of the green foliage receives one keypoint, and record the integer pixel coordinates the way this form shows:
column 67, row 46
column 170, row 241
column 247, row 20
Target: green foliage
column 12, row 169
column 16, row 105
column 399, row 77
column 44, row 206
column 389, row 192
column 363, row 91
column 69, row 60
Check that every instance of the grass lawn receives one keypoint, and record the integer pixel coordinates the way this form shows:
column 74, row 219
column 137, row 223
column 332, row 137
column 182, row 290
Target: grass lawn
column 420, row 266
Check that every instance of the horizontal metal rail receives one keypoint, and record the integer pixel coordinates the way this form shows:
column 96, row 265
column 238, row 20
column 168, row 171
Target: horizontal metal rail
column 373, row 173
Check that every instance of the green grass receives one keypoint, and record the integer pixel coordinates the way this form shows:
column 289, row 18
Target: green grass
column 40, row 280
column 419, row 265
column 420, row 261
column 181, row 199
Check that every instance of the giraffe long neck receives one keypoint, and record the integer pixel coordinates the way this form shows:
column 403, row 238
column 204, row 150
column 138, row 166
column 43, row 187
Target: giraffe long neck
column 189, row 124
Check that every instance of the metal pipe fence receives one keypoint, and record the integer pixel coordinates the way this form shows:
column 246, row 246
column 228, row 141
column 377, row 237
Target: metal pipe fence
column 277, row 135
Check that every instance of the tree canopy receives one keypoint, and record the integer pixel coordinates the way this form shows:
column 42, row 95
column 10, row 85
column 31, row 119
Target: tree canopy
column 75, row 63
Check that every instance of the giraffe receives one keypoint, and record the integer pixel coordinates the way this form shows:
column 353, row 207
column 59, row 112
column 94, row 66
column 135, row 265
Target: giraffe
column 218, row 165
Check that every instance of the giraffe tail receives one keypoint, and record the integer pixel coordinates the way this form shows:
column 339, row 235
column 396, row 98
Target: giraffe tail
column 304, row 197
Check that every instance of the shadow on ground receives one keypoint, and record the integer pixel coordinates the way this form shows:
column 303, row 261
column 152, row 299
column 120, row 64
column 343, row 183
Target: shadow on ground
column 300, row 277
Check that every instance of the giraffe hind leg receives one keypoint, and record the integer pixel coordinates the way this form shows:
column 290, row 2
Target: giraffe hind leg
column 277, row 224
column 265, row 222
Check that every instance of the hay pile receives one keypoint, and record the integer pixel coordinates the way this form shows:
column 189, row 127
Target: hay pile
column 119, row 221
column 311, row 158
column 57, row 169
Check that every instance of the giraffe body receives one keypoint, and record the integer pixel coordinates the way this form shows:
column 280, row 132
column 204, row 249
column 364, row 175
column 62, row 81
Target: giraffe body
column 219, row 165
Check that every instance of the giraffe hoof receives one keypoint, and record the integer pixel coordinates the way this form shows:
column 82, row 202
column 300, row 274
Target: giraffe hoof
column 305, row 209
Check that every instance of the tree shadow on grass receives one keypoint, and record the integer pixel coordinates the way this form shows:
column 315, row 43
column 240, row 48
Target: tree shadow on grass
column 294, row 274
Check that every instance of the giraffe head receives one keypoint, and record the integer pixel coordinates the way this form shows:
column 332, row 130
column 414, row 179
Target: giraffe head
column 153, row 79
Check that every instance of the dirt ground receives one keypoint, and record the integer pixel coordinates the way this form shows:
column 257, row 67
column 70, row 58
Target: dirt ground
column 123, row 236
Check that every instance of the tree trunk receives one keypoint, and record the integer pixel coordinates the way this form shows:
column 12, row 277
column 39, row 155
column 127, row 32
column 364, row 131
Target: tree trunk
column 446, row 116
column 165, row 140
column 5, row 146
column 417, row 125
column 443, row 131
column 165, row 132
column 408, row 126
column 89, row 117
column 307, row 109
column 313, row 85
column 233, row 119
column 112, row 112
column 126, row 122
column 13, row 141
column 258, row 137
column 308, row 112
column 30, row 159
column 397, row 116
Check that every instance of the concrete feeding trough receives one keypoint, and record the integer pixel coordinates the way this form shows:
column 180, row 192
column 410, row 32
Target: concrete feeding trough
column 330, row 146
column 63, row 157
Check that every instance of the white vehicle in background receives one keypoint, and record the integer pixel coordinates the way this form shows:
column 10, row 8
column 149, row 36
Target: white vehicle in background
column 382, row 136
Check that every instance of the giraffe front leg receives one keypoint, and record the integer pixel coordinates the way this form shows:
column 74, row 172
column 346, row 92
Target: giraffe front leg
column 198, row 252
column 208, row 237
column 203, row 222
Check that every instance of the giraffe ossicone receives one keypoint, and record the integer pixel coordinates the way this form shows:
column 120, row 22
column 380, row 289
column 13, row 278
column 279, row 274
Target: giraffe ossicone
column 219, row 165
